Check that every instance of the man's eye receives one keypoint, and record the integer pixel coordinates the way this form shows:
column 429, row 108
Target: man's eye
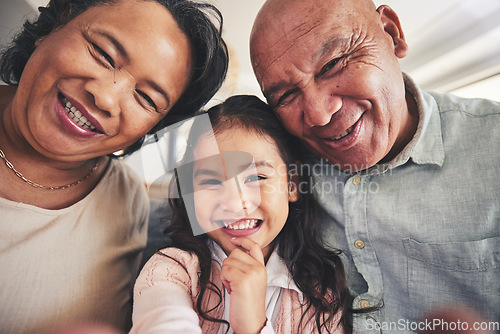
column 146, row 99
column 103, row 56
column 254, row 178
column 286, row 98
column 328, row 66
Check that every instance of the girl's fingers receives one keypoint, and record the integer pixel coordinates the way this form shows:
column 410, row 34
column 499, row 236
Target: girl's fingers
column 250, row 247
column 227, row 285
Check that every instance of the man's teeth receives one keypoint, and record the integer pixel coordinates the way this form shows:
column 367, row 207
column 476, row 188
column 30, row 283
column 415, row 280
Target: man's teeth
column 243, row 224
column 343, row 134
column 77, row 116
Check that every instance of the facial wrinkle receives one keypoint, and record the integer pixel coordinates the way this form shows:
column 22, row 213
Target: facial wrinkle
column 286, row 38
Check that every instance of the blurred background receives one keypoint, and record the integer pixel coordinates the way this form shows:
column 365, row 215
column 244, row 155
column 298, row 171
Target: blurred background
column 454, row 46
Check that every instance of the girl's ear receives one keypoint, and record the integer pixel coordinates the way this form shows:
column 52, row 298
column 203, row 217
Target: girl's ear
column 293, row 192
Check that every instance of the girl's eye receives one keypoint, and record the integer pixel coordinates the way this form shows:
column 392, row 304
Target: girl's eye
column 104, row 57
column 210, row 182
column 145, row 99
column 254, row 178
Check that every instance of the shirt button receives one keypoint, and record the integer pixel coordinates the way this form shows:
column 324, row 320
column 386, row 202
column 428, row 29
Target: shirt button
column 364, row 304
column 359, row 244
column 356, row 180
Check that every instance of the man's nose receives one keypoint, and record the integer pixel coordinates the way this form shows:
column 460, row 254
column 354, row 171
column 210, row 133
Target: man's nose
column 319, row 104
column 109, row 89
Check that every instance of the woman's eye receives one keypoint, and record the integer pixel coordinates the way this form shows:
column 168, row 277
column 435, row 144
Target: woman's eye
column 254, row 178
column 104, row 57
column 147, row 100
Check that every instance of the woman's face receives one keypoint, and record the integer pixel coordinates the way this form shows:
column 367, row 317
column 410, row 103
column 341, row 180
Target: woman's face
column 102, row 81
column 235, row 199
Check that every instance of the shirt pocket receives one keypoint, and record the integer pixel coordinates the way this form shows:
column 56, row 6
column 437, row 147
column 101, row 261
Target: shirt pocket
column 454, row 274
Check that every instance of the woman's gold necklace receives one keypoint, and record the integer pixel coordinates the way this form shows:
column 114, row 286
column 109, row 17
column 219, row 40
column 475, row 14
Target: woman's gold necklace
column 36, row 185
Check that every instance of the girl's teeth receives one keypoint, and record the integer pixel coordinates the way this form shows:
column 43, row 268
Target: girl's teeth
column 77, row 116
column 244, row 225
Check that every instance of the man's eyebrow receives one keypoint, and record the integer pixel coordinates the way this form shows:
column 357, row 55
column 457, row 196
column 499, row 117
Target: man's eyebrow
column 333, row 43
column 274, row 89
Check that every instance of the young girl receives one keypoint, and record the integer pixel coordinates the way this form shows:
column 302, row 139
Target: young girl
column 261, row 267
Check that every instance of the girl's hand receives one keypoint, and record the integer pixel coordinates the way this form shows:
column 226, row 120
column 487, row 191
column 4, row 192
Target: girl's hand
column 244, row 276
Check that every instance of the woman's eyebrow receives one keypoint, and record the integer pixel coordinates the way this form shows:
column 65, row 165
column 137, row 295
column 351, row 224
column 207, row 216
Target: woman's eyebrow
column 156, row 87
column 119, row 47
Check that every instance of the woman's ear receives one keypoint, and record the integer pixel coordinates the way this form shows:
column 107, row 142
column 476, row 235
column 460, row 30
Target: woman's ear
column 293, row 192
column 392, row 26
column 63, row 18
column 38, row 41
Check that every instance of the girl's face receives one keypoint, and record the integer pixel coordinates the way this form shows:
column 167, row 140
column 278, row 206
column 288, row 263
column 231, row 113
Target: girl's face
column 121, row 67
column 252, row 202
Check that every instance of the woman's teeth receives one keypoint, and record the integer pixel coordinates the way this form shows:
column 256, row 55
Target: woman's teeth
column 77, row 116
column 243, row 224
column 343, row 134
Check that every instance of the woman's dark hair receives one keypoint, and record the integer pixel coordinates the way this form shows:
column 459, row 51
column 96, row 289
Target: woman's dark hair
column 209, row 50
column 317, row 271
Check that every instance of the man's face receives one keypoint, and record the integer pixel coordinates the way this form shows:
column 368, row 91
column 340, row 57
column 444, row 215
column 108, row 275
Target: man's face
column 331, row 73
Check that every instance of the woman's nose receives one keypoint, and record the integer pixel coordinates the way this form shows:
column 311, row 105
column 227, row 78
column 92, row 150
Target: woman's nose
column 108, row 91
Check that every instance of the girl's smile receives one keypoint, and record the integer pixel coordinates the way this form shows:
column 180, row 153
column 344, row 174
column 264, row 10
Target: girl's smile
column 242, row 227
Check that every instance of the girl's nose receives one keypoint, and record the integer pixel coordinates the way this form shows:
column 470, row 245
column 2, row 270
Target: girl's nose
column 232, row 199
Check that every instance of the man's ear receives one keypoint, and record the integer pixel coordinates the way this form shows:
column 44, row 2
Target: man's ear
column 392, row 26
column 293, row 192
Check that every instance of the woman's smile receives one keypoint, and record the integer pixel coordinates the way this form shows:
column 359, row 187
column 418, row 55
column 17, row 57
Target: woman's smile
column 76, row 119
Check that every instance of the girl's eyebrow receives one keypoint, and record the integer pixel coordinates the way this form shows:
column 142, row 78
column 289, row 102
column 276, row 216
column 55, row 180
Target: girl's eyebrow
column 263, row 163
column 208, row 172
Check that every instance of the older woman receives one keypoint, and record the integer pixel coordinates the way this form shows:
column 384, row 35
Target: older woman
column 89, row 78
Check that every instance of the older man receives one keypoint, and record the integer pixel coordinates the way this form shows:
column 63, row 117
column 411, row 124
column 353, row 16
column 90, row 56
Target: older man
column 409, row 179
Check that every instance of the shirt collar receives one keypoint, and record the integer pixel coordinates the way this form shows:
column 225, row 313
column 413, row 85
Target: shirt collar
column 426, row 147
column 427, row 144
